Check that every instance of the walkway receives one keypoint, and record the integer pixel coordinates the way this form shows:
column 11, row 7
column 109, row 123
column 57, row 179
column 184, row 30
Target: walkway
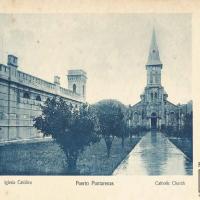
column 155, row 155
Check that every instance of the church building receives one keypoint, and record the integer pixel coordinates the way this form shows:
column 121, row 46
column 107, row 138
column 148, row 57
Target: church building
column 154, row 110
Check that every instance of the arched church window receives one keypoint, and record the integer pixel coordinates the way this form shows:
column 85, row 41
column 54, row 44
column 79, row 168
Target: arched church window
column 151, row 77
column 136, row 117
column 156, row 95
column 38, row 98
column 165, row 113
column 151, row 96
column 83, row 90
column 172, row 117
column 26, row 95
column 48, row 99
column 142, row 114
column 74, row 88
column 156, row 77
column 70, row 106
column 153, row 114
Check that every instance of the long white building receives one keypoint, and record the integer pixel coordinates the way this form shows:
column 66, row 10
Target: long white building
column 21, row 95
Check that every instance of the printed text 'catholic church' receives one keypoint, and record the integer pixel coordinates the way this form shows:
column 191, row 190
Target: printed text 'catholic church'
column 154, row 110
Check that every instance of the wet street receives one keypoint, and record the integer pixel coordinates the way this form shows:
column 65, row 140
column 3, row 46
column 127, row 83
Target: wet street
column 155, row 155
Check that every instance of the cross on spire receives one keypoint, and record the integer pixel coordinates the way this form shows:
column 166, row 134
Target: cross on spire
column 154, row 58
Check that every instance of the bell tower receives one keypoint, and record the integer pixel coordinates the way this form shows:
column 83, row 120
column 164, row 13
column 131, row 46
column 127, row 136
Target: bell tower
column 154, row 64
column 154, row 91
column 77, row 82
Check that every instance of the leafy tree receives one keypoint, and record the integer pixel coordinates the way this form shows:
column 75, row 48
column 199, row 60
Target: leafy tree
column 124, row 130
column 129, row 116
column 72, row 128
column 111, row 121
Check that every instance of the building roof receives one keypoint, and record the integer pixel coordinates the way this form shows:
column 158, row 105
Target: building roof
column 154, row 58
column 75, row 72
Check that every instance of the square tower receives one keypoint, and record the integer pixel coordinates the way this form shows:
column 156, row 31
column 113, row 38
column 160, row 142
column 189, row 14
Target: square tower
column 12, row 60
column 77, row 81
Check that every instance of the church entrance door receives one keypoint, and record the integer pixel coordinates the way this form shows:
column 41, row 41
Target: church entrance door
column 153, row 121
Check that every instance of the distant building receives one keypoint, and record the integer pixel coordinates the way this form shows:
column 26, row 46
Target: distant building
column 154, row 110
column 22, row 94
column 186, row 108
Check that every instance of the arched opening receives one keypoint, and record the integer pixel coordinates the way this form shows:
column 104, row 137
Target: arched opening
column 154, row 78
column 136, row 117
column 38, row 98
column 143, row 114
column 74, row 88
column 172, row 118
column 83, row 90
column 157, row 77
column 151, row 96
column 156, row 95
column 26, row 95
column 153, row 120
column 151, row 77
column 70, row 106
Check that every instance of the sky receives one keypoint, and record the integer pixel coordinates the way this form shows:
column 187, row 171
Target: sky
column 112, row 49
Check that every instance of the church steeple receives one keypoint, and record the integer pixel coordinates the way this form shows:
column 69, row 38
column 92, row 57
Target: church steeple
column 154, row 58
column 154, row 64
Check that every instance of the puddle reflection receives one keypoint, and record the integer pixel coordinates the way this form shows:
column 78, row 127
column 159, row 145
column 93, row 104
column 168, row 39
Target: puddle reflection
column 155, row 155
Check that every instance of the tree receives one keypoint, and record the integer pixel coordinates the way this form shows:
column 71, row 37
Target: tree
column 130, row 128
column 124, row 132
column 72, row 128
column 124, row 126
column 111, row 121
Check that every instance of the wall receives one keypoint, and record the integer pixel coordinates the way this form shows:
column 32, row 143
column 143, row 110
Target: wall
column 17, row 110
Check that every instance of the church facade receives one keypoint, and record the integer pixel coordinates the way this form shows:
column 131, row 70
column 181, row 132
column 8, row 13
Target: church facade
column 22, row 94
column 154, row 111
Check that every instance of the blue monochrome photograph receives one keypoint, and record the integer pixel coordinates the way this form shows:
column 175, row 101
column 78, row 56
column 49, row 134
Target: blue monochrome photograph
column 96, row 94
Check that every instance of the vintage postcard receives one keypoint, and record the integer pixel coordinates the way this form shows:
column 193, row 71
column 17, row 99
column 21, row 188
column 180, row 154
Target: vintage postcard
column 99, row 100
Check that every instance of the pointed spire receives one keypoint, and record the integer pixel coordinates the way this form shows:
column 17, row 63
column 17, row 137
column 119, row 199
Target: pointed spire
column 154, row 58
